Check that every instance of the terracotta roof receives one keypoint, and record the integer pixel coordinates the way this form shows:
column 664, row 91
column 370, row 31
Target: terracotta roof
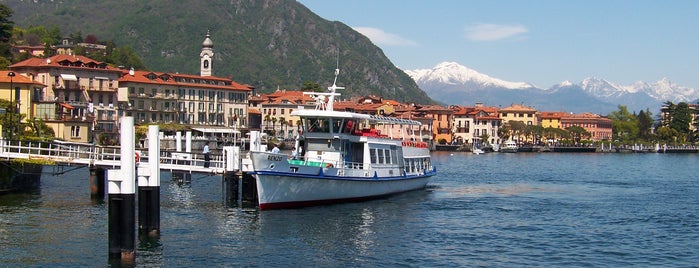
column 175, row 80
column 65, row 61
column 518, row 108
column 18, row 79
column 551, row 115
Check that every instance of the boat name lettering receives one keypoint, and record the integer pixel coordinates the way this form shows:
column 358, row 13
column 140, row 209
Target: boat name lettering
column 275, row 158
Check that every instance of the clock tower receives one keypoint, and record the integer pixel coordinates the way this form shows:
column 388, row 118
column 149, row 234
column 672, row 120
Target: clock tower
column 206, row 56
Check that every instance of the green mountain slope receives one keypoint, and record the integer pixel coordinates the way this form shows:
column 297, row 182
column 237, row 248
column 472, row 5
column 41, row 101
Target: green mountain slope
column 264, row 43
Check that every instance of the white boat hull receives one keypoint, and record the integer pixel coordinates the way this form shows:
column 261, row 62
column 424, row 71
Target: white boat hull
column 278, row 191
column 312, row 185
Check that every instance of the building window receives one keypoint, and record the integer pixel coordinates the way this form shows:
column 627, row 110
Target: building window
column 75, row 131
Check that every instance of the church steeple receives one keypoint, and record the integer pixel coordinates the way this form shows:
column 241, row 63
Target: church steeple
column 206, row 56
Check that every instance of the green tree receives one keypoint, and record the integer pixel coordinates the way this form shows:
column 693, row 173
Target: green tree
column 504, row 132
column 578, row 133
column 311, row 87
column 624, row 125
column 681, row 118
column 518, row 129
column 667, row 134
column 6, row 26
column 282, row 126
column 124, row 56
column 645, row 124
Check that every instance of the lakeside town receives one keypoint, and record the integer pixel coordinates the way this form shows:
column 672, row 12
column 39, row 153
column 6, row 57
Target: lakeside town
column 81, row 100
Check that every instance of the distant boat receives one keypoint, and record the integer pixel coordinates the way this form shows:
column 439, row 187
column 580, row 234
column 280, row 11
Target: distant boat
column 509, row 147
column 476, row 149
column 344, row 158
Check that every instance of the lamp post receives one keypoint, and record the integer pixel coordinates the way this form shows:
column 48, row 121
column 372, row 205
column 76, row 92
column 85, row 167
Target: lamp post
column 11, row 74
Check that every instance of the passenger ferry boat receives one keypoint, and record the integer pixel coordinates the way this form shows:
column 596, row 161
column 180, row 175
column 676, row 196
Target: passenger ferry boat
column 344, row 157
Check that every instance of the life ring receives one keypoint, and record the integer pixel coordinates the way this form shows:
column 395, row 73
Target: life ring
column 138, row 157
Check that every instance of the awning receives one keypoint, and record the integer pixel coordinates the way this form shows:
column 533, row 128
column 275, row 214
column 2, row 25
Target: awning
column 69, row 77
column 67, row 106
column 216, row 130
column 101, row 78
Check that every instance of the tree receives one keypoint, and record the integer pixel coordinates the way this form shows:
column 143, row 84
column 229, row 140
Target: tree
column 311, row 87
column 124, row 56
column 91, row 39
column 504, row 132
column 484, row 138
column 578, row 133
column 667, row 134
column 624, row 125
column 645, row 124
column 518, row 128
column 282, row 125
column 681, row 118
column 268, row 118
column 6, row 26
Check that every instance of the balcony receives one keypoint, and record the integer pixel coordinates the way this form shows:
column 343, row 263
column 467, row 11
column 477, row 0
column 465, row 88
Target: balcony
column 102, row 89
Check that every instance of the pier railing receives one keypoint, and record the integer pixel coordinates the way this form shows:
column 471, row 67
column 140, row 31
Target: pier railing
column 106, row 156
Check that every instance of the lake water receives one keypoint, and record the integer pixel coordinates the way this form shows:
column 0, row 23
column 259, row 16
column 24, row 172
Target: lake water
column 503, row 210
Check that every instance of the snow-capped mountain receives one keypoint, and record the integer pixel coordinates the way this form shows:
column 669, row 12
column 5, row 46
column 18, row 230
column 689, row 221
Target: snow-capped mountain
column 452, row 83
column 663, row 90
column 452, row 73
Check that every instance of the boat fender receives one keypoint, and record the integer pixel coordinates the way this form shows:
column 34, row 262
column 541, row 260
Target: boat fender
column 138, row 157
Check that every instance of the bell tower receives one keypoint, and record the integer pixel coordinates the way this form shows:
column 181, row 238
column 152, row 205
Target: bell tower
column 206, row 56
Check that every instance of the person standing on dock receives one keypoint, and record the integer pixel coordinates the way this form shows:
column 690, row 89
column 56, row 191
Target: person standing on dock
column 207, row 157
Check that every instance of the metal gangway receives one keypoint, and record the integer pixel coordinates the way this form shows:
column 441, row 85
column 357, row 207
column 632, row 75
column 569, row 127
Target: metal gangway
column 67, row 153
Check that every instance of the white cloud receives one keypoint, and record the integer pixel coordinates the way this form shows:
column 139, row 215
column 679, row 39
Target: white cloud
column 379, row 37
column 492, row 32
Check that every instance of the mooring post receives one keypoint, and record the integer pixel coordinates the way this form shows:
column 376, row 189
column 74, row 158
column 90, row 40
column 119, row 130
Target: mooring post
column 231, row 156
column 188, row 141
column 96, row 183
column 122, row 198
column 149, row 187
column 178, row 141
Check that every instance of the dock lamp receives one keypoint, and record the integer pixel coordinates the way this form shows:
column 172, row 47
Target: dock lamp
column 11, row 74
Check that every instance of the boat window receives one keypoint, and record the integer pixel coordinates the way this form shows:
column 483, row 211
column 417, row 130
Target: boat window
column 372, row 154
column 388, row 156
column 382, row 160
column 337, row 125
column 317, row 125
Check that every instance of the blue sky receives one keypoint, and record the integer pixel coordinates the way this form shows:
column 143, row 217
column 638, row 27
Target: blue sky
column 541, row 42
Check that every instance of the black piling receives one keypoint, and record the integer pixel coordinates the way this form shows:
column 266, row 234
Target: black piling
column 240, row 189
column 122, row 223
column 97, row 183
column 149, row 210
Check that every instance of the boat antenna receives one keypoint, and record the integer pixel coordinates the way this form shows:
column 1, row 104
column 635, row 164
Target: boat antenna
column 332, row 89
column 320, row 97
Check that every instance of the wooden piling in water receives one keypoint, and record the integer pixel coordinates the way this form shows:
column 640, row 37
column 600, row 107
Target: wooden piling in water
column 97, row 183
column 240, row 189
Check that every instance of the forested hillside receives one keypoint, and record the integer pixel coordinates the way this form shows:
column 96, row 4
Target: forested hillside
column 267, row 44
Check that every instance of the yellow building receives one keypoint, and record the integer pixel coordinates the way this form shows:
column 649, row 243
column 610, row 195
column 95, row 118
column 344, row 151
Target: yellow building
column 551, row 119
column 20, row 96
column 518, row 112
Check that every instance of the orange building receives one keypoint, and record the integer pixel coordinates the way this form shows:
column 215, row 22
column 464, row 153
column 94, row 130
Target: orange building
column 599, row 127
